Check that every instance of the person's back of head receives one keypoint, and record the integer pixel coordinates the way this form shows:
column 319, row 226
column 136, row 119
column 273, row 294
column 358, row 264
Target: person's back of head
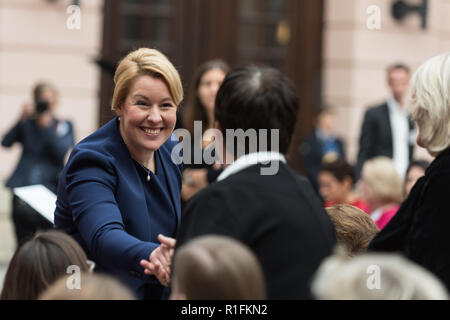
column 39, row 262
column 92, row 287
column 216, row 268
column 257, row 98
column 382, row 181
column 375, row 276
column 354, row 228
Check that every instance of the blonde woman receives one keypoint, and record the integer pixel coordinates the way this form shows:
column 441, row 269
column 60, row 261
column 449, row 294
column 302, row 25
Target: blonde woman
column 120, row 190
column 420, row 229
column 382, row 188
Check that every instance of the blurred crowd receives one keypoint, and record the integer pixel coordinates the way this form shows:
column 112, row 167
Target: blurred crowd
column 373, row 229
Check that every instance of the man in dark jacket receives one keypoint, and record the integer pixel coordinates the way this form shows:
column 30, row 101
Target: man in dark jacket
column 387, row 129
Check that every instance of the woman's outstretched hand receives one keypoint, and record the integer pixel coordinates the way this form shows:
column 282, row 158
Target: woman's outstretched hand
column 160, row 260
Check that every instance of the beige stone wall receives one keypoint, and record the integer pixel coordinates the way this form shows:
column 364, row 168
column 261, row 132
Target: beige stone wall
column 35, row 44
column 355, row 57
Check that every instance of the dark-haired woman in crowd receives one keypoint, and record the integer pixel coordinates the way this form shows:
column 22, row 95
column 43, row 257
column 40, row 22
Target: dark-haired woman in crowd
column 336, row 181
column 200, row 107
column 415, row 171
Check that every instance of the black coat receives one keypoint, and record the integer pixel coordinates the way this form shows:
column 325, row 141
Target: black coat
column 376, row 136
column 420, row 229
column 279, row 217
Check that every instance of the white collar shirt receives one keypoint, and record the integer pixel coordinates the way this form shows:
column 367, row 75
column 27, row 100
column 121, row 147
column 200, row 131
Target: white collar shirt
column 249, row 160
column 400, row 135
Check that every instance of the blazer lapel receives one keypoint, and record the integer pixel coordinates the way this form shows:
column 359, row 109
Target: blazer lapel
column 388, row 129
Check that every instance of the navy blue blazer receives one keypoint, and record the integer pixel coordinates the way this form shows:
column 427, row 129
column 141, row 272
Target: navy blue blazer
column 105, row 203
column 43, row 152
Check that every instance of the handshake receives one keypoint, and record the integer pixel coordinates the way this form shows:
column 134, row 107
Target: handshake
column 160, row 260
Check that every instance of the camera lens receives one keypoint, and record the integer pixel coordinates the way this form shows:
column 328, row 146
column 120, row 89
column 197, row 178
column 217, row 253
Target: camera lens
column 41, row 106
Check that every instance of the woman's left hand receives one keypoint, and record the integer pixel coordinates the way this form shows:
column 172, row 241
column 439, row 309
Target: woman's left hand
column 160, row 260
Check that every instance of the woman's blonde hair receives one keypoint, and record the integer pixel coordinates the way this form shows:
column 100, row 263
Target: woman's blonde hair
column 375, row 276
column 145, row 61
column 430, row 101
column 382, row 179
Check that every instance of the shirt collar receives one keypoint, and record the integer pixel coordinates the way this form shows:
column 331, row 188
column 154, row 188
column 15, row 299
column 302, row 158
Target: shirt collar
column 394, row 107
column 249, row 160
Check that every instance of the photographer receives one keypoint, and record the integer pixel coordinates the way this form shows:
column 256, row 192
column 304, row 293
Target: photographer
column 45, row 141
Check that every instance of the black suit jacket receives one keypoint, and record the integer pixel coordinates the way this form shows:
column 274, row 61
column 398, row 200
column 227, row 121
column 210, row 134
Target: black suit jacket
column 279, row 217
column 376, row 136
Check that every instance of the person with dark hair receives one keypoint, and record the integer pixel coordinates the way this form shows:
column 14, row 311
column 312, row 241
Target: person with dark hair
column 336, row 181
column 45, row 142
column 200, row 108
column 39, row 262
column 387, row 129
column 322, row 146
column 257, row 199
column 216, row 268
column 415, row 171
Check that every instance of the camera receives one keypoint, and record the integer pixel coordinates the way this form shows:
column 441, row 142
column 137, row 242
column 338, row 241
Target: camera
column 41, row 106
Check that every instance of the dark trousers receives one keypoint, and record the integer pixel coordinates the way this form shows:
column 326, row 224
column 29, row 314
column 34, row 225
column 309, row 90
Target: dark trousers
column 27, row 221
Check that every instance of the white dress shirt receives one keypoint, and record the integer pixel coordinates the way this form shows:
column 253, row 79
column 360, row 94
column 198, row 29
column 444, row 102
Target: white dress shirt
column 400, row 135
column 249, row 160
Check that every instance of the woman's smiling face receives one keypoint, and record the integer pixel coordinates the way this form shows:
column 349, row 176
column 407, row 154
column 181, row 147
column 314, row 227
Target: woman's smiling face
column 147, row 116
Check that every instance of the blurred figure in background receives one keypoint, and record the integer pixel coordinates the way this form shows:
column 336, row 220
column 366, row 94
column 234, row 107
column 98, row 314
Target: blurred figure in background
column 200, row 107
column 382, row 188
column 92, row 287
column 336, row 181
column 39, row 262
column 387, row 129
column 354, row 228
column 415, row 171
column 215, row 267
column 45, row 142
column 375, row 277
column 322, row 146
